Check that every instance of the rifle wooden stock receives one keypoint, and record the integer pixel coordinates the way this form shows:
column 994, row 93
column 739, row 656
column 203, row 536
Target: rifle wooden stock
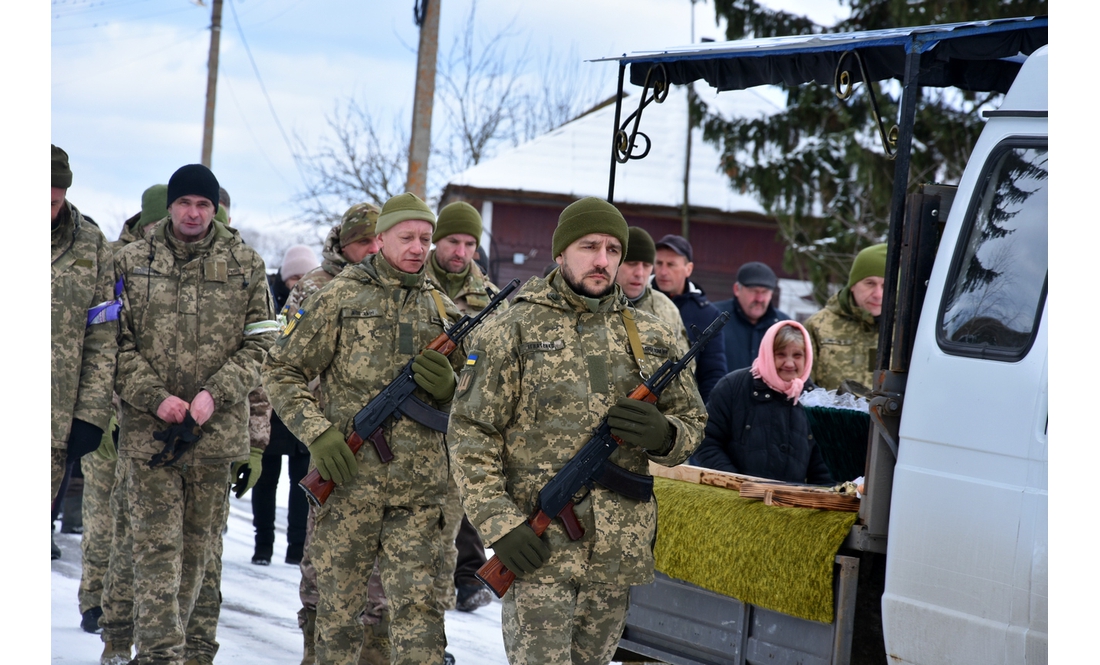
column 496, row 575
column 318, row 489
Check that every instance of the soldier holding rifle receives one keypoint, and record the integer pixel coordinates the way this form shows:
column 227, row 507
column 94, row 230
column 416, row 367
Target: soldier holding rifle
column 537, row 381
column 357, row 334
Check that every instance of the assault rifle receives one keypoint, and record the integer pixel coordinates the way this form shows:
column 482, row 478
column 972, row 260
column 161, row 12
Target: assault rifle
column 590, row 466
column 397, row 399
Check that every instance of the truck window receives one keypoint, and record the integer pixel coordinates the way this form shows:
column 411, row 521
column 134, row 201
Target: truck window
column 998, row 280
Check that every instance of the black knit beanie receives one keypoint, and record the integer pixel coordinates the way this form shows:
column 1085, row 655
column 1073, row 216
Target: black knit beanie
column 193, row 180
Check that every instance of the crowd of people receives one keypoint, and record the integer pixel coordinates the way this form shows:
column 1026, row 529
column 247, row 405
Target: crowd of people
column 183, row 371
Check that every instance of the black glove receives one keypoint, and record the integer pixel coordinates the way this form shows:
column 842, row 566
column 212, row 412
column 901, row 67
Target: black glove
column 641, row 424
column 521, row 551
column 178, row 439
column 83, row 439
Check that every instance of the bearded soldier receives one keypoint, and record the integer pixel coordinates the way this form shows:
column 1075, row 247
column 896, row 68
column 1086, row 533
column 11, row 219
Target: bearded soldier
column 356, row 334
column 537, row 382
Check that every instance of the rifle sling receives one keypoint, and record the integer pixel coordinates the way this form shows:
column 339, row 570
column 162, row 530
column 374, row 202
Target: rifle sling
column 631, row 485
column 635, row 340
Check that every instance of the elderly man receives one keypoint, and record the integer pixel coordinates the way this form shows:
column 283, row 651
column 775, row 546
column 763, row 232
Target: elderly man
column 751, row 313
column 356, row 334
column 538, row 380
column 672, row 276
column 83, row 323
column 845, row 332
column 196, row 321
column 456, row 238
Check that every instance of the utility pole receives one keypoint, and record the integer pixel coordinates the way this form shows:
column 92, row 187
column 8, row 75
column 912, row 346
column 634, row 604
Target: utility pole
column 426, row 13
column 211, row 83
column 685, row 212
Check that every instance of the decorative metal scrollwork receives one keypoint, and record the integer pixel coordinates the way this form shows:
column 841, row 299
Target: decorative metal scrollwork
column 842, row 87
column 656, row 80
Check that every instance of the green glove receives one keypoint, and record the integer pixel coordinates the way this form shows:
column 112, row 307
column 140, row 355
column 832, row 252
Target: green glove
column 108, row 445
column 521, row 551
column 247, row 473
column 332, row 457
column 432, row 372
column 641, row 424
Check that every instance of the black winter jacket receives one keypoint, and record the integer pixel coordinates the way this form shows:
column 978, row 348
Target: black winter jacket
column 695, row 309
column 757, row 431
column 743, row 338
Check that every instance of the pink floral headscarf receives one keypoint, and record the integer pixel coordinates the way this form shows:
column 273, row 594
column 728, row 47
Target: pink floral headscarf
column 764, row 365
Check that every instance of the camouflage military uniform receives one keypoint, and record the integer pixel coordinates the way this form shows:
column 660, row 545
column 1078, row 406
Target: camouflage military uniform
column 471, row 292
column 659, row 305
column 83, row 326
column 355, row 334
column 538, row 380
column 196, row 316
column 845, row 339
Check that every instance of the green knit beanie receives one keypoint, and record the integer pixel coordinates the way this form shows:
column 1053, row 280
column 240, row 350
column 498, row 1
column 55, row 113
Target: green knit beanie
column 60, row 175
column 359, row 222
column 154, row 205
column 640, row 247
column 401, row 208
column 871, row 262
column 458, row 217
column 589, row 215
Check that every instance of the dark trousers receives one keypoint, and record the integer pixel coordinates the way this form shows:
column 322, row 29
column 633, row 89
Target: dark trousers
column 471, row 554
column 263, row 500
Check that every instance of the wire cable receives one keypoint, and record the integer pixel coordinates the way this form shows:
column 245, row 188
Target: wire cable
column 255, row 139
column 263, row 88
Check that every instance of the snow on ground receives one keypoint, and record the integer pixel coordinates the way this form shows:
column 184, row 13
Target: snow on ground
column 259, row 604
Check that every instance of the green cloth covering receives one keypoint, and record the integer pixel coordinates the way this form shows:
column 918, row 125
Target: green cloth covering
column 780, row 559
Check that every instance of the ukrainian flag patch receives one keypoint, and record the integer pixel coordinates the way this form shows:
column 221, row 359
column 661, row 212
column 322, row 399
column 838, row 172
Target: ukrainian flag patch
column 471, row 360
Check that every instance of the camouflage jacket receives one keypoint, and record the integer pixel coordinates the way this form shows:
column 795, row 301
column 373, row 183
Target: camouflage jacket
column 83, row 326
column 356, row 334
column 312, row 282
column 195, row 316
column 539, row 379
column 130, row 233
column 475, row 292
column 845, row 340
column 659, row 305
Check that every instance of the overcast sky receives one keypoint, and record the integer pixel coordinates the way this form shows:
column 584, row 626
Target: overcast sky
column 128, row 80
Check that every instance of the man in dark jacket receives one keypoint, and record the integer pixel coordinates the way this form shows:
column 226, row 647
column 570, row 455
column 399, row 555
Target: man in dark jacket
column 671, row 276
column 751, row 313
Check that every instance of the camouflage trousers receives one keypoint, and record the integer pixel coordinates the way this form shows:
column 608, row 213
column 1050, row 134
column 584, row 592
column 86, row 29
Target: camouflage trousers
column 58, row 458
column 563, row 623
column 375, row 611
column 169, row 578
column 350, row 533
column 452, row 521
column 95, row 544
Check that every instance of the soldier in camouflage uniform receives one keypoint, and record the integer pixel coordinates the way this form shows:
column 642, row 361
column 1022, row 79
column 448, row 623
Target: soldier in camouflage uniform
column 83, row 323
column 196, row 321
column 634, row 279
column 538, row 380
column 845, row 332
column 355, row 334
column 349, row 242
column 452, row 269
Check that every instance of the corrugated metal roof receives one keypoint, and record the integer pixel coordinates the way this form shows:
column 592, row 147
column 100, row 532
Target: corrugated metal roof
column 574, row 159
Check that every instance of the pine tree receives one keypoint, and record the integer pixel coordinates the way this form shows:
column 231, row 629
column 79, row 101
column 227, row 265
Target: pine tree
column 819, row 167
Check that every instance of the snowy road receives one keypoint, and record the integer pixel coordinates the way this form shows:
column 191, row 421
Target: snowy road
column 259, row 607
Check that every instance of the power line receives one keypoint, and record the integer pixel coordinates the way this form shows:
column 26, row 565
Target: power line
column 263, row 88
column 111, row 21
column 100, row 72
column 255, row 139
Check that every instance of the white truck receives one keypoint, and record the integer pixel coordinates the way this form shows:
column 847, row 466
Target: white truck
column 956, row 474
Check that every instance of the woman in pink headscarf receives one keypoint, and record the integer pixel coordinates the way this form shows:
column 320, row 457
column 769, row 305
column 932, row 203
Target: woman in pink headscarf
column 756, row 425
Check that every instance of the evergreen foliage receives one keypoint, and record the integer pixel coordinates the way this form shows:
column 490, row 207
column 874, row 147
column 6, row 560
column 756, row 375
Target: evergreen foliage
column 818, row 166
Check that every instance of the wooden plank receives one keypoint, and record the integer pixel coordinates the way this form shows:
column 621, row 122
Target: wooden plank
column 772, row 492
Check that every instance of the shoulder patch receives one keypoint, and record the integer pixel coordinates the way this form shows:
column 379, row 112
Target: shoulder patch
column 293, row 321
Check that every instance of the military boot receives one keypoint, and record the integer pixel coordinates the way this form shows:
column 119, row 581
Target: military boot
column 115, row 653
column 376, row 644
column 307, row 619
